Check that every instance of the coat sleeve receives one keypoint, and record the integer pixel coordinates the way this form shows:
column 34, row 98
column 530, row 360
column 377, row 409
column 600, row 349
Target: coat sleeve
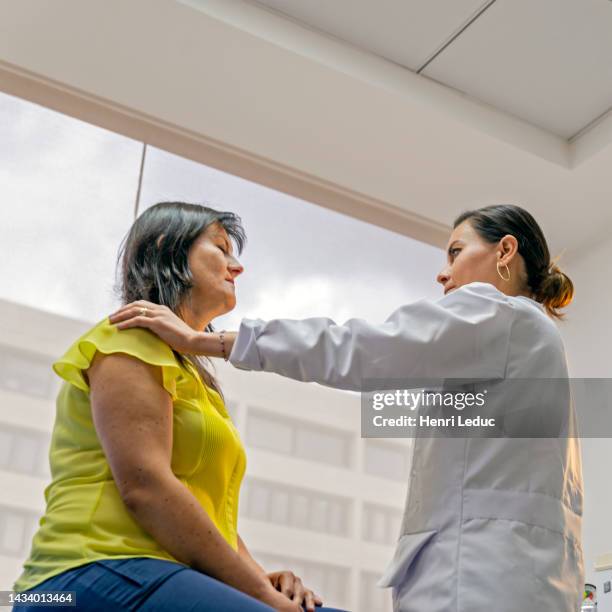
column 465, row 334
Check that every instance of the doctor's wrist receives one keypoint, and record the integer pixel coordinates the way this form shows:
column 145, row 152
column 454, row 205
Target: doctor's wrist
column 216, row 344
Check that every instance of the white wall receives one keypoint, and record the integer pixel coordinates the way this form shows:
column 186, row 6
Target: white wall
column 588, row 339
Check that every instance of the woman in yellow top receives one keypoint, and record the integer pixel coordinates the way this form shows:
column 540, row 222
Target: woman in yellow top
column 146, row 463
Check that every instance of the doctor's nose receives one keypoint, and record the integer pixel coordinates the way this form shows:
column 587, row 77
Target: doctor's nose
column 443, row 276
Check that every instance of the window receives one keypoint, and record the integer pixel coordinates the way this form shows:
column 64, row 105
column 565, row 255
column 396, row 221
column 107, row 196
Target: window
column 325, row 445
column 380, row 524
column 69, row 189
column 269, row 432
column 14, row 533
column 6, row 447
column 387, row 459
column 26, row 373
column 285, row 274
column 16, row 530
column 24, row 451
column 294, row 507
column 298, row 438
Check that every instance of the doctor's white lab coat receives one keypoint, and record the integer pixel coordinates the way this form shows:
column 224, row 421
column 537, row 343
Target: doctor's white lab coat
column 491, row 524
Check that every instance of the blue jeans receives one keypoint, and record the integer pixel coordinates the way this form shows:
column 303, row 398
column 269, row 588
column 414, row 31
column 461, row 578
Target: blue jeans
column 141, row 583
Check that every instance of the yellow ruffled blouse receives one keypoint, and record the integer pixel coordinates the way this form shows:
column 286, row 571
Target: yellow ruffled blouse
column 85, row 518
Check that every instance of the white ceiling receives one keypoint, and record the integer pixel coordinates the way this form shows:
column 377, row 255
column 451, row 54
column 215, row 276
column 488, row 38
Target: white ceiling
column 548, row 62
column 406, row 32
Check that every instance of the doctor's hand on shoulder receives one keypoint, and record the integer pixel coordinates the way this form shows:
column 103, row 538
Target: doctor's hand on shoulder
column 172, row 329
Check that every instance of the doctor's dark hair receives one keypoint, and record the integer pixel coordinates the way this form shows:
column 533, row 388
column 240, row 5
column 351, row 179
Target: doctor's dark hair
column 548, row 284
column 153, row 257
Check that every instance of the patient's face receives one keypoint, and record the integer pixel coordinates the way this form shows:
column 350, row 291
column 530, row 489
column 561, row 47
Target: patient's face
column 469, row 259
column 214, row 269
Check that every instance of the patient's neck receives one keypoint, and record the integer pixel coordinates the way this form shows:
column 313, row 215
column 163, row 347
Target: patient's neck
column 198, row 319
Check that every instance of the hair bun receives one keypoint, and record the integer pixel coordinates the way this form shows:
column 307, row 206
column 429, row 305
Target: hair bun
column 556, row 290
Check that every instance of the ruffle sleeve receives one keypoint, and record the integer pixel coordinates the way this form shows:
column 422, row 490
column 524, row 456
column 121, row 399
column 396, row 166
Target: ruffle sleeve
column 106, row 338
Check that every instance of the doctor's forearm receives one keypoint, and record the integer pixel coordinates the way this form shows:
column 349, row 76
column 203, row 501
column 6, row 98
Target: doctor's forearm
column 308, row 350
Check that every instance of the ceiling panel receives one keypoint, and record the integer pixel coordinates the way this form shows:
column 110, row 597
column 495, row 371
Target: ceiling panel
column 404, row 31
column 546, row 61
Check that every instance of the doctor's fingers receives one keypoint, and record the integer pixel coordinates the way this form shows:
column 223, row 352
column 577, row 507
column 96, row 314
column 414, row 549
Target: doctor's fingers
column 137, row 308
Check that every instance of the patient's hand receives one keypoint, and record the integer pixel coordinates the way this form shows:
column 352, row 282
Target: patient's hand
column 292, row 587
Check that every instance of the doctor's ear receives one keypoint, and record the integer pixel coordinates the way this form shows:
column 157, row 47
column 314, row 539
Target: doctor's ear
column 507, row 248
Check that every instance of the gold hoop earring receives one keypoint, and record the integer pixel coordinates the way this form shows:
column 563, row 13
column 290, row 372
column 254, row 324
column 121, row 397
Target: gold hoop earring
column 501, row 275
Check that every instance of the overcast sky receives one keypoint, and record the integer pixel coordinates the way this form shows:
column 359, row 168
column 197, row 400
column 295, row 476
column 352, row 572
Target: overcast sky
column 69, row 193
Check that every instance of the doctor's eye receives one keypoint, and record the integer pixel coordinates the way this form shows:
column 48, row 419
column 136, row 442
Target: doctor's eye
column 453, row 252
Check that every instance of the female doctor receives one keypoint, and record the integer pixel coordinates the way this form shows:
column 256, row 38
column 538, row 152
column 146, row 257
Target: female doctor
column 490, row 523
